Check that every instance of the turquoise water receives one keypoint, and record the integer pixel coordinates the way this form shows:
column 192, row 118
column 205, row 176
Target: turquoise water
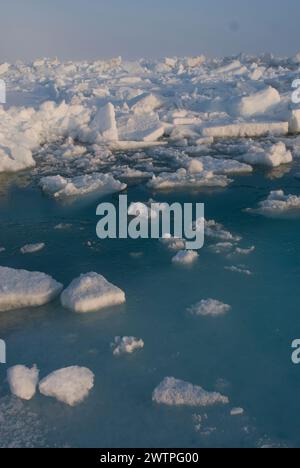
column 246, row 354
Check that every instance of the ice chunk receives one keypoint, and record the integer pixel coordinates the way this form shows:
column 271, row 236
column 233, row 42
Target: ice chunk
column 173, row 243
column 272, row 157
column 61, row 187
column 4, row 67
column 20, row 288
column 294, row 122
column 278, row 204
column 216, row 230
column 185, row 257
column 173, row 392
column 220, row 165
column 15, row 159
column 237, row 412
column 259, row 102
column 209, row 307
column 243, row 130
column 70, row 385
column 233, row 68
column 239, row 269
column 126, row 345
column 146, row 103
column 182, row 179
column 141, row 127
column 23, row 381
column 91, row 292
column 32, row 248
column 105, row 122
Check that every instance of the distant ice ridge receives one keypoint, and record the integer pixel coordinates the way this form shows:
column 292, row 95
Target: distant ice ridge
column 20, row 288
column 32, row 248
column 91, row 292
column 126, row 345
column 23, row 381
column 173, row 392
column 61, row 187
column 278, row 204
column 70, row 385
column 209, row 307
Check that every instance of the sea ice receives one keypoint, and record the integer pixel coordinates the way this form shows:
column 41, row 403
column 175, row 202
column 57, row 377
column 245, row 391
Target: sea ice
column 126, row 345
column 185, row 257
column 259, row 103
column 209, row 307
column 91, row 292
column 278, row 204
column 23, row 381
column 20, row 288
column 105, row 123
column 70, row 385
column 61, row 187
column 216, row 230
column 237, row 412
column 140, row 127
column 294, row 123
column 173, row 392
column 250, row 130
column 273, row 156
column 182, row 179
column 32, row 248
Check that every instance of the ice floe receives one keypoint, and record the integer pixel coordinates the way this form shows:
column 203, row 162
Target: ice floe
column 23, row 381
column 100, row 184
column 173, row 392
column 126, row 345
column 259, row 103
column 70, row 385
column 273, row 156
column 182, row 179
column 32, row 248
column 91, row 292
column 21, row 288
column 185, row 257
column 209, row 307
column 278, row 204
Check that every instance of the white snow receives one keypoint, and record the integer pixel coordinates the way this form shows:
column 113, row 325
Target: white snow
column 70, row 385
column 20, row 288
column 23, row 381
column 209, row 307
column 185, row 257
column 91, row 292
column 100, row 184
column 278, row 204
column 32, row 248
column 259, row 103
column 126, row 345
column 173, row 392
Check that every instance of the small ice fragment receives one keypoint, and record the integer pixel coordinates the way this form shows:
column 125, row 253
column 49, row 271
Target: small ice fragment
column 126, row 345
column 70, row 385
column 91, row 292
column 23, row 381
column 237, row 412
column 32, row 248
column 209, row 307
column 185, row 257
column 173, row 392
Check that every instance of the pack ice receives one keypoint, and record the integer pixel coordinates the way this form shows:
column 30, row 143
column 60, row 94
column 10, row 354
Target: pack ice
column 70, row 385
column 23, row 381
column 173, row 392
column 21, row 288
column 126, row 345
column 91, row 292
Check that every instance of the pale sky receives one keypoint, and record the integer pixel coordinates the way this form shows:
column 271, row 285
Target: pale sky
column 94, row 29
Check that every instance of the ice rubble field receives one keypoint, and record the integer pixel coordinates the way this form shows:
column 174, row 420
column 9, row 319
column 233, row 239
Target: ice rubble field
column 185, row 125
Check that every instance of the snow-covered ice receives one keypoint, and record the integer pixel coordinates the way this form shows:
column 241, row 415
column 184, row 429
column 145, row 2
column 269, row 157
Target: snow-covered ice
column 209, row 307
column 23, row 381
column 273, row 156
column 126, row 345
column 21, row 288
column 61, row 187
column 259, row 103
column 32, row 248
column 70, row 385
column 173, row 392
column 105, row 122
column 182, row 179
column 91, row 292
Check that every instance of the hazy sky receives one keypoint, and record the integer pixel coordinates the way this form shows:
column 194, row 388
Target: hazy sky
column 88, row 29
